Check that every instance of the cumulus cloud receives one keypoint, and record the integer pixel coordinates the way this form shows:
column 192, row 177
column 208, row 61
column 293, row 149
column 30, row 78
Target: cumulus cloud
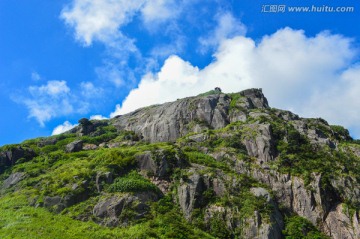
column 156, row 11
column 99, row 19
column 177, row 78
column 63, row 128
column 88, row 90
column 54, row 99
column 47, row 101
column 339, row 102
column 227, row 27
column 52, row 88
column 98, row 117
column 311, row 75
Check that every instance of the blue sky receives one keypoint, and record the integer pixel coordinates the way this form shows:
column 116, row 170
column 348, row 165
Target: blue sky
column 64, row 60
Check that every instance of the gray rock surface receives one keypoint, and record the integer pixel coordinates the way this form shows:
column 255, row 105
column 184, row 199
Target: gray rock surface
column 169, row 121
column 13, row 179
column 340, row 224
column 75, row 146
column 109, row 211
column 160, row 163
column 190, row 193
column 259, row 142
column 11, row 156
column 103, row 178
column 265, row 229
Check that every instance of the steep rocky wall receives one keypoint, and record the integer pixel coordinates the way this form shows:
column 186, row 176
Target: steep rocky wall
column 169, row 121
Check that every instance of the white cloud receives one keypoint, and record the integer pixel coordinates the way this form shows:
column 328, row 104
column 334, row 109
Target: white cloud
column 338, row 103
column 227, row 27
column 177, row 78
column 54, row 99
column 157, row 11
column 47, row 101
column 52, row 88
column 315, row 76
column 99, row 19
column 98, row 117
column 35, row 76
column 63, row 128
column 88, row 90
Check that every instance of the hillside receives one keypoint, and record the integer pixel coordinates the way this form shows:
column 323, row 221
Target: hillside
column 211, row 166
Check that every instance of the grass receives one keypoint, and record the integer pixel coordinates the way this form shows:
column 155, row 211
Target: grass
column 19, row 221
column 133, row 182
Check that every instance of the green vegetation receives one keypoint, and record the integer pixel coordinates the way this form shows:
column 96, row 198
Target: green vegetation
column 211, row 92
column 132, row 182
column 204, row 159
column 299, row 228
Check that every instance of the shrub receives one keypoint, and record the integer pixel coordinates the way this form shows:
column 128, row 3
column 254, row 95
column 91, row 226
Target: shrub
column 297, row 227
column 132, row 182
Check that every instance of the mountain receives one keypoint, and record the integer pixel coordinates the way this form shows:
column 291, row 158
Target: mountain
column 211, row 166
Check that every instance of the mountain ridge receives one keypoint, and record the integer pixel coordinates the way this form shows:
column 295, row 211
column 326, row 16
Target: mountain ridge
column 233, row 166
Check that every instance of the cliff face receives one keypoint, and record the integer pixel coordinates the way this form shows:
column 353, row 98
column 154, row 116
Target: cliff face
column 170, row 121
column 232, row 165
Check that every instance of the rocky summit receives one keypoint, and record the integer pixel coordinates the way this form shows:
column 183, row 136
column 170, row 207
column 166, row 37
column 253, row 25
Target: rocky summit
column 211, row 166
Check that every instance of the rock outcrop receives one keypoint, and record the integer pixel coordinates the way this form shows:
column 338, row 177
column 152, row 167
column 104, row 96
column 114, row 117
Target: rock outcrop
column 112, row 211
column 10, row 156
column 167, row 122
column 75, row 146
column 13, row 179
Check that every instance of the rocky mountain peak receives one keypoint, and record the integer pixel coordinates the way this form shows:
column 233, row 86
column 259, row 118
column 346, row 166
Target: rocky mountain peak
column 214, row 165
column 169, row 121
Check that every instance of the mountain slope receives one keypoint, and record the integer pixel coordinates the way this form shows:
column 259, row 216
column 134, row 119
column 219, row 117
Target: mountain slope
column 211, row 166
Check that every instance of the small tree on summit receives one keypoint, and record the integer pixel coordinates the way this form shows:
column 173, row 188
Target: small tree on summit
column 217, row 90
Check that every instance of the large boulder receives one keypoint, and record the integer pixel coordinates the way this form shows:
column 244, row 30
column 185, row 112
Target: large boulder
column 13, row 179
column 115, row 209
column 190, row 193
column 74, row 146
column 259, row 142
column 257, row 227
column 11, row 155
column 103, row 178
column 79, row 193
column 160, row 163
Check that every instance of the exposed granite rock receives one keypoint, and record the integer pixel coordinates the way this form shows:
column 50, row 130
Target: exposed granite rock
column 259, row 142
column 348, row 188
column 265, row 229
column 80, row 192
column 11, row 156
column 255, row 227
column 340, row 224
column 109, row 211
column 47, row 141
column 103, row 178
column 169, row 121
column 13, row 179
column 256, row 98
column 190, row 193
column 90, row 147
column 55, row 203
column 160, row 163
column 75, row 146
